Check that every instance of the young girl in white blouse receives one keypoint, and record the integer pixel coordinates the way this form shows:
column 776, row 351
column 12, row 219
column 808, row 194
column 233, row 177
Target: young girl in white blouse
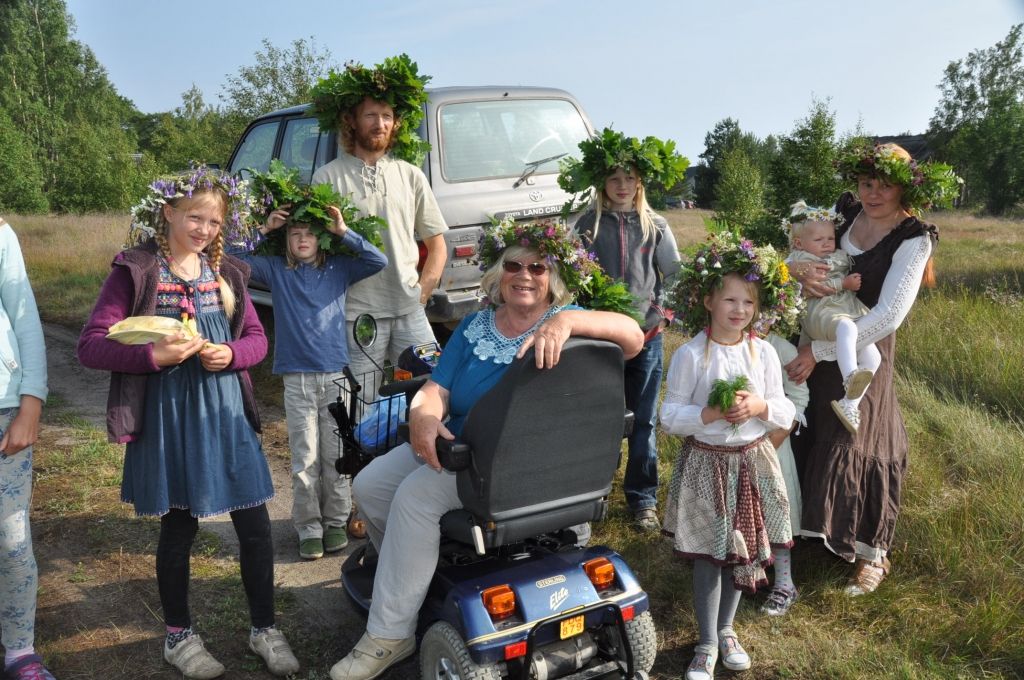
column 727, row 502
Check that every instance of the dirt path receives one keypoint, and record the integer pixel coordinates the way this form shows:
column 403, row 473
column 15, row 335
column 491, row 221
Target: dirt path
column 315, row 584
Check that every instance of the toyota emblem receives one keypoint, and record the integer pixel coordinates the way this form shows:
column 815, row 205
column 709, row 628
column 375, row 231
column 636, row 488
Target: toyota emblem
column 535, row 196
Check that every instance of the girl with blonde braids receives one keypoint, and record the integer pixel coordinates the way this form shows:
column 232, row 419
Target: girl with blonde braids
column 184, row 405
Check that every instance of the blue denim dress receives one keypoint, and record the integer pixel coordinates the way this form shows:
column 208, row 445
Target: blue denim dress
column 197, row 451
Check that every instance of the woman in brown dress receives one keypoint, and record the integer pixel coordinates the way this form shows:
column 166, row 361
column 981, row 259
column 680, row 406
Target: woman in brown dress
column 851, row 482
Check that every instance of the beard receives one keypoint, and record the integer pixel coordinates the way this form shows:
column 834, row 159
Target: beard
column 372, row 142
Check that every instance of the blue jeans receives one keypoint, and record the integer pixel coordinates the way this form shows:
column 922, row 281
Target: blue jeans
column 643, row 382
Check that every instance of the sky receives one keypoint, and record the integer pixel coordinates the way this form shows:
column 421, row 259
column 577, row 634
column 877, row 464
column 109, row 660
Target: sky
column 669, row 68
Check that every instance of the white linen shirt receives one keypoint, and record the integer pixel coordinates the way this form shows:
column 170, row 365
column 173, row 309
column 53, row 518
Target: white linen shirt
column 689, row 383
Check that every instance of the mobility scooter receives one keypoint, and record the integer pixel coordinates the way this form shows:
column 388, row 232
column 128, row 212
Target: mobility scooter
column 514, row 595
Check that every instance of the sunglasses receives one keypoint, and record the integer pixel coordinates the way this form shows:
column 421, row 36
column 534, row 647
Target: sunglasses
column 535, row 268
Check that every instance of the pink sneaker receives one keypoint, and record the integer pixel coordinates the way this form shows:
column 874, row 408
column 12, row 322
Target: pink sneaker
column 28, row 668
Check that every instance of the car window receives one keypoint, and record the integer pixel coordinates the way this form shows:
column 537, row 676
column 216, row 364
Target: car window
column 299, row 146
column 256, row 149
column 482, row 140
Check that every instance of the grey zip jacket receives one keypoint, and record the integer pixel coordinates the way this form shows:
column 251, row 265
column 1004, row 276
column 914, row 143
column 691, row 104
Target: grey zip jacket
column 643, row 266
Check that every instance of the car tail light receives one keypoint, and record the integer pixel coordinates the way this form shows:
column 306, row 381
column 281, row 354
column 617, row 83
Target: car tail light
column 465, row 251
column 515, row 650
column 601, row 572
column 499, row 601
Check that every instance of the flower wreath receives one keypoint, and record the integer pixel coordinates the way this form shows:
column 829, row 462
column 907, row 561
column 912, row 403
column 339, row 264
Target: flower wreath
column 653, row 159
column 282, row 185
column 395, row 82
column 925, row 185
column 146, row 217
column 801, row 212
column 562, row 248
column 727, row 253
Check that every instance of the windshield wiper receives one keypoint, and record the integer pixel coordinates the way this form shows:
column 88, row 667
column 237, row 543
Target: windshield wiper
column 532, row 166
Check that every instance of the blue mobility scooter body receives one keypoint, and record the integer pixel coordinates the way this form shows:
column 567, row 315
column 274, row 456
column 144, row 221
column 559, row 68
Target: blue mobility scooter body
column 513, row 594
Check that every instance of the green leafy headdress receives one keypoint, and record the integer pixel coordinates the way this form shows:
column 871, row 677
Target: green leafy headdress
column 727, row 253
column 395, row 82
column 146, row 213
column 652, row 159
column 282, row 185
column 925, row 185
column 562, row 248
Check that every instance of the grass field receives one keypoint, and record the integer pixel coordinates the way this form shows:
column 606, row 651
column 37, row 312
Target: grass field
column 954, row 604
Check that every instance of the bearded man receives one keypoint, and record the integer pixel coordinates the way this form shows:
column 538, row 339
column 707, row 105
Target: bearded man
column 374, row 109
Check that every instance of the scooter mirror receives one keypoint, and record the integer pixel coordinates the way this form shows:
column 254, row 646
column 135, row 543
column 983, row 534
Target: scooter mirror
column 364, row 330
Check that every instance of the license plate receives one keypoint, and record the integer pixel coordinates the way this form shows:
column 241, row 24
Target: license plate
column 570, row 627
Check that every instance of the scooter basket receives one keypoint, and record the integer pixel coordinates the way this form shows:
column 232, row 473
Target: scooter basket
column 373, row 419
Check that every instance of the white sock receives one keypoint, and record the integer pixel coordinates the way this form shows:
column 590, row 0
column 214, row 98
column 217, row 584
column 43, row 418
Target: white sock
column 783, row 568
column 846, row 347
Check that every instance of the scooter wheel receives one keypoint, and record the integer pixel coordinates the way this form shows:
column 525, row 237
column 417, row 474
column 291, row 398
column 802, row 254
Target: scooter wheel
column 643, row 640
column 444, row 656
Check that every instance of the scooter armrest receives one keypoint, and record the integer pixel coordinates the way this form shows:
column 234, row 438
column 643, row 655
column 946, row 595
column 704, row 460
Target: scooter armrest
column 453, row 455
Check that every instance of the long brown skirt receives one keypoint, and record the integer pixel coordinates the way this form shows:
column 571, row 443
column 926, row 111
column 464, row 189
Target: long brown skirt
column 851, row 483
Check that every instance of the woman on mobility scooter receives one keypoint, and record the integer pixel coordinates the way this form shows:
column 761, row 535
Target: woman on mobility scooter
column 533, row 272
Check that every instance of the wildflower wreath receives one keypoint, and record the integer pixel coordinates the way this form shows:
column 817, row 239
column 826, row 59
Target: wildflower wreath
column 146, row 213
column 726, row 253
column 282, row 185
column 801, row 212
column 395, row 82
column 653, row 159
column 561, row 248
column 925, row 185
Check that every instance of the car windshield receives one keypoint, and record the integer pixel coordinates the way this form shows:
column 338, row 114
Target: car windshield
column 505, row 138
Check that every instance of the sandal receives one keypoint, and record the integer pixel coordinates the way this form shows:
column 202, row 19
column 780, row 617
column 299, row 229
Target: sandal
column 646, row 519
column 356, row 527
column 857, row 383
column 867, row 576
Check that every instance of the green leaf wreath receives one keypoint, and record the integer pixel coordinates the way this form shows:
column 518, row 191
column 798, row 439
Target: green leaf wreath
column 656, row 161
column 282, row 185
column 396, row 82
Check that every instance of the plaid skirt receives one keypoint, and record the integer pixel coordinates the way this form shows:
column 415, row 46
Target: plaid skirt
column 728, row 505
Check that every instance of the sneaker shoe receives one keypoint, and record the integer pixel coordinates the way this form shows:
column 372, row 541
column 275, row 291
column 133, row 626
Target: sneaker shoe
column 311, row 548
column 733, row 656
column 779, row 601
column 857, row 382
column 270, row 644
column 372, row 656
column 28, row 667
column 702, row 666
column 848, row 415
column 191, row 658
column 646, row 519
column 335, row 539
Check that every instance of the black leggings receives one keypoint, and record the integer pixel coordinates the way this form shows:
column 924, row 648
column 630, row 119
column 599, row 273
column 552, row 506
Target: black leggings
column 256, row 555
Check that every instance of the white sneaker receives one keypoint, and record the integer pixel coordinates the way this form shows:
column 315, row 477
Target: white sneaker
column 372, row 656
column 191, row 658
column 848, row 414
column 733, row 656
column 273, row 648
column 857, row 383
column 702, row 666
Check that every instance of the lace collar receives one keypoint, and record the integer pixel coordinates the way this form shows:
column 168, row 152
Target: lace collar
column 490, row 345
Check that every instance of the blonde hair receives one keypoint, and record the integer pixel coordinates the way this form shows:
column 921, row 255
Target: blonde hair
column 643, row 209
column 558, row 293
column 797, row 229
column 754, row 289
column 289, row 258
column 214, row 251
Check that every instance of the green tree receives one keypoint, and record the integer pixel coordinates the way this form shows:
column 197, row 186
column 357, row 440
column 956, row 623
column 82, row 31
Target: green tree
column 56, row 92
column 193, row 132
column 22, row 187
column 739, row 194
column 978, row 124
column 725, row 136
column 279, row 78
column 805, row 165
